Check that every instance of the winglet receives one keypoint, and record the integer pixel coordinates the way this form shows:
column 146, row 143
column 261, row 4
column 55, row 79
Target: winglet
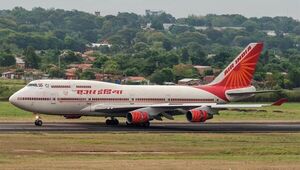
column 280, row 102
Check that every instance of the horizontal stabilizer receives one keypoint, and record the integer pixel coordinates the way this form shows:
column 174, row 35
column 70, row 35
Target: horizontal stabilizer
column 239, row 93
column 280, row 102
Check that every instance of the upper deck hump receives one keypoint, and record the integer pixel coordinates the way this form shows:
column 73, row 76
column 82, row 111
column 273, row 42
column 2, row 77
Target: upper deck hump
column 92, row 83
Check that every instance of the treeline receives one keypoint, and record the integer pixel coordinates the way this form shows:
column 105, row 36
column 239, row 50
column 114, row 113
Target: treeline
column 279, row 24
column 143, row 45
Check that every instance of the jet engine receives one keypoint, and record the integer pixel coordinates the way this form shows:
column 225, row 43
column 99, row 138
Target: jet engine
column 137, row 117
column 198, row 115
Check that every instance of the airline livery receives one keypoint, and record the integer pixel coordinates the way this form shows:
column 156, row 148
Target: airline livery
column 142, row 103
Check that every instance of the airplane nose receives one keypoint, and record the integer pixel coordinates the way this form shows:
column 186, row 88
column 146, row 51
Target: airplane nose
column 13, row 99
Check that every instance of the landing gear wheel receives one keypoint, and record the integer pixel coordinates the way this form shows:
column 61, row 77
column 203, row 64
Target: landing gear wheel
column 116, row 122
column 112, row 122
column 38, row 122
column 128, row 124
column 145, row 124
column 108, row 122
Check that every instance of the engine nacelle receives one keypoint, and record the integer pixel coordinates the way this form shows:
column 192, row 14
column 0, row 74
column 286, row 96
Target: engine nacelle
column 196, row 115
column 137, row 117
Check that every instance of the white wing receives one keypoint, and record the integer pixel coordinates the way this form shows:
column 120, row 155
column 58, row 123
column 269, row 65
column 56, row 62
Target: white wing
column 170, row 106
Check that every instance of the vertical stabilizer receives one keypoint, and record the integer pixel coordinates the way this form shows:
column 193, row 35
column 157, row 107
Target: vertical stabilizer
column 239, row 73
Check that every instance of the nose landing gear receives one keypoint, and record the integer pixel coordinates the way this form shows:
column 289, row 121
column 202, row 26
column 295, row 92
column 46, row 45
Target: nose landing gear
column 38, row 121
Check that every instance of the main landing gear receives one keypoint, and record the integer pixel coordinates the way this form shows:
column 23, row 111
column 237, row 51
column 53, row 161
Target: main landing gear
column 38, row 121
column 112, row 121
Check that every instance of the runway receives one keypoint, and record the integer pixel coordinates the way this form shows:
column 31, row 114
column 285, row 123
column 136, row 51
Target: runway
column 228, row 127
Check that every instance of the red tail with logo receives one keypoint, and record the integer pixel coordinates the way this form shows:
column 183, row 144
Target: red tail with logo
column 238, row 74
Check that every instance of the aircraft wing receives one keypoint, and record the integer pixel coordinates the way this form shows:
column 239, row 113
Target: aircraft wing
column 169, row 106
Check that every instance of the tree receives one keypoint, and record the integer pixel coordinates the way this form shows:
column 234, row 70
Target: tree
column 88, row 75
column 250, row 25
column 197, row 55
column 184, row 71
column 198, row 58
column 157, row 24
column 127, row 35
column 74, row 43
column 32, row 60
column 7, row 59
column 71, row 57
column 294, row 77
column 188, row 37
column 220, row 59
column 167, row 44
column 100, row 61
column 111, row 66
column 56, row 72
column 171, row 58
column 242, row 40
column 163, row 75
column 208, row 72
column 140, row 46
column 194, row 20
column 213, row 34
column 131, row 72
column 296, row 30
column 177, row 29
column 185, row 57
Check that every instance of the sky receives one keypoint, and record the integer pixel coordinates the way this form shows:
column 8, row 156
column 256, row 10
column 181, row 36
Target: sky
column 178, row 8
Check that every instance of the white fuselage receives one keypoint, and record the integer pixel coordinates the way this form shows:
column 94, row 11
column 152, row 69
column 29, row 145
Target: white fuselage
column 61, row 97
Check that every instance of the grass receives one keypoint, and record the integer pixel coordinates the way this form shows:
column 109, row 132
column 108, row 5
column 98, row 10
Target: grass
column 8, row 87
column 145, row 150
column 12, row 82
column 150, row 150
column 286, row 112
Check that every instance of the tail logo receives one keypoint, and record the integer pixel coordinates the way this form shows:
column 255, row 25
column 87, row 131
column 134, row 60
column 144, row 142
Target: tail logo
column 237, row 60
column 242, row 73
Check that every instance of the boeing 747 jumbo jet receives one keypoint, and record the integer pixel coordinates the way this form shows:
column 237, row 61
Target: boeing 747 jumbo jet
column 142, row 103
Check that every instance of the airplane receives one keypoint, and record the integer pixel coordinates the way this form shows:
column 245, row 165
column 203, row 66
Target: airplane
column 140, row 104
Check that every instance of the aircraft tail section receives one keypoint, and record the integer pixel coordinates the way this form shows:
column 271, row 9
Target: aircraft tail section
column 239, row 73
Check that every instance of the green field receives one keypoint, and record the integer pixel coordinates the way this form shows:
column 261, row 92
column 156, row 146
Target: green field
column 8, row 87
column 149, row 151
column 286, row 112
column 12, row 82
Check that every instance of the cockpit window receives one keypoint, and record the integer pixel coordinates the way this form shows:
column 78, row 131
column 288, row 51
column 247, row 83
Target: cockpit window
column 32, row 85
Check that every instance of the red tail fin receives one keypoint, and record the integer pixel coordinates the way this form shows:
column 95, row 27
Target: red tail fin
column 239, row 73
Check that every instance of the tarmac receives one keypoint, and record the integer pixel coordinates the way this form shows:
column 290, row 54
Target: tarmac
column 228, row 127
